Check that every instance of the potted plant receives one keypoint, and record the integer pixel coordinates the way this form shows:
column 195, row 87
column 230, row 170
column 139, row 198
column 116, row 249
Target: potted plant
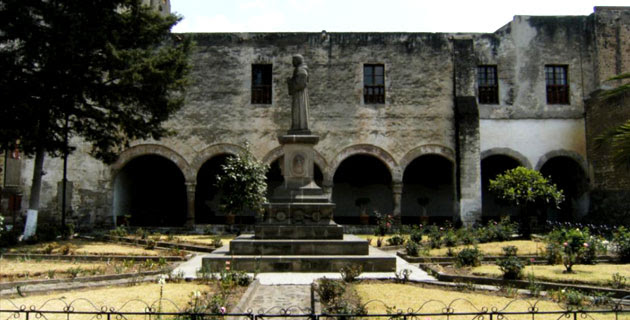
column 362, row 203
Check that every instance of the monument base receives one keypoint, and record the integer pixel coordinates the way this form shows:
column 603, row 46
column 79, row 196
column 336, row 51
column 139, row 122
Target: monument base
column 299, row 256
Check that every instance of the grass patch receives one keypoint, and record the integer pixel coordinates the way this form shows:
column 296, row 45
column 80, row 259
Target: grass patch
column 19, row 270
column 599, row 274
column 202, row 239
column 495, row 248
column 120, row 298
column 414, row 298
column 87, row 247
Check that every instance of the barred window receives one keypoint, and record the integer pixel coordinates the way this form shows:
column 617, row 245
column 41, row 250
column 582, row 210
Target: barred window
column 373, row 83
column 261, row 83
column 557, row 84
column 488, row 90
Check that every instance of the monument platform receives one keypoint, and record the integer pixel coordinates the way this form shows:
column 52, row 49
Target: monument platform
column 292, row 260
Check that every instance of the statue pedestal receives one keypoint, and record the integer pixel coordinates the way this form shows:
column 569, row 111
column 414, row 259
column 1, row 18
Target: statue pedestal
column 297, row 232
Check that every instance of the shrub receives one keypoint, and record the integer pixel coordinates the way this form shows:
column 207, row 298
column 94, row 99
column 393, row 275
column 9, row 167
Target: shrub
column 617, row 281
column 574, row 245
column 120, row 231
column 150, row 244
column 216, row 242
column 231, row 278
column 396, row 240
column 510, row 264
column 141, row 233
column 383, row 223
column 50, row 247
column 412, row 248
column 416, row 234
column 466, row 236
column 349, row 273
column 553, row 253
column 450, row 238
column 621, row 243
column 469, row 257
column 67, row 249
column 329, row 290
column 435, row 236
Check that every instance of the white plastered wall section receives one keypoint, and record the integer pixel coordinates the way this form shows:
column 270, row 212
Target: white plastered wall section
column 534, row 138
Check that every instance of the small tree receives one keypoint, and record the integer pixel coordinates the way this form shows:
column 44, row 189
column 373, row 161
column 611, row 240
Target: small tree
column 243, row 183
column 526, row 187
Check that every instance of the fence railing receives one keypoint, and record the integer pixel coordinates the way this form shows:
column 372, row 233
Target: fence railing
column 142, row 310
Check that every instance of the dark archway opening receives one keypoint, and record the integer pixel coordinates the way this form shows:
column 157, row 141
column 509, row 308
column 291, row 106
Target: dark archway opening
column 362, row 185
column 492, row 207
column 275, row 177
column 150, row 190
column 428, row 191
column 207, row 194
column 569, row 176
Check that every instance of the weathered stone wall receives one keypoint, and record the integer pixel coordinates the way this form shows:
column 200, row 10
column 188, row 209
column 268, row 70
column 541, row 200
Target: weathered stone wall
column 422, row 81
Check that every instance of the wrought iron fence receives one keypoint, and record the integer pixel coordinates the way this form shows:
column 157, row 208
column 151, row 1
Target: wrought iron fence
column 145, row 311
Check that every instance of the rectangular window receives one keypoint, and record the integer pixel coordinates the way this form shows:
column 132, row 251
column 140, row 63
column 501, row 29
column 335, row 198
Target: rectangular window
column 373, row 83
column 557, row 84
column 488, row 85
column 261, row 83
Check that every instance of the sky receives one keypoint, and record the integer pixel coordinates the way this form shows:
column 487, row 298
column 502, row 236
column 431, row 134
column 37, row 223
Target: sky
column 367, row 15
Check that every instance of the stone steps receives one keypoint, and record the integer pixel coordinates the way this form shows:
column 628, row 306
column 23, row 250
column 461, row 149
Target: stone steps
column 248, row 245
column 299, row 263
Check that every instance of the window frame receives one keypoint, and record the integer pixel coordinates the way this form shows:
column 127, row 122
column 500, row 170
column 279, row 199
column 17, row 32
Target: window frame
column 373, row 93
column 557, row 93
column 262, row 93
column 487, row 93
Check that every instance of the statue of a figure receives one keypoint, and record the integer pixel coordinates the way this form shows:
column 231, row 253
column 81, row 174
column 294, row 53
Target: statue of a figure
column 299, row 94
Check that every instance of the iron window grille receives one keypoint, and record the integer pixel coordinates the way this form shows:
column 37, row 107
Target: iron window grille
column 261, row 83
column 557, row 84
column 488, row 85
column 374, row 83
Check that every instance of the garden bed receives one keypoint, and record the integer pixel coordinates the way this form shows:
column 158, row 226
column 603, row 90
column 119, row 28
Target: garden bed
column 87, row 246
column 184, row 245
column 463, row 276
column 12, row 270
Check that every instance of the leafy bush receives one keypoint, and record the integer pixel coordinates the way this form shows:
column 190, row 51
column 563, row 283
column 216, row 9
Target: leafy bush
column 384, row 223
column 469, row 257
column 466, row 236
column 571, row 297
column 416, row 234
column 617, row 281
column 150, row 244
column 396, row 240
column 120, row 231
column 621, row 243
column 231, row 278
column 67, row 249
column 216, row 242
column 450, row 238
column 349, row 273
column 576, row 246
column 330, row 291
column 412, row 248
column 553, row 253
column 50, row 247
column 243, row 182
column 510, row 264
column 435, row 236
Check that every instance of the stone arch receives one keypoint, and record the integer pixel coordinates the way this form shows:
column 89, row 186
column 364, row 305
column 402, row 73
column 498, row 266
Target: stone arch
column 422, row 150
column 212, row 151
column 507, row 152
column 153, row 149
column 567, row 171
column 563, row 153
column 367, row 149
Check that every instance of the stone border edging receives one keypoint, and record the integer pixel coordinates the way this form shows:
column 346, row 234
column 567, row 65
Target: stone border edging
column 246, row 297
column 161, row 244
column 450, row 260
column 9, row 285
column 523, row 284
column 42, row 256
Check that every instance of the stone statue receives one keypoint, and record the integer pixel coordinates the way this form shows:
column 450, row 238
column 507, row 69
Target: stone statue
column 299, row 94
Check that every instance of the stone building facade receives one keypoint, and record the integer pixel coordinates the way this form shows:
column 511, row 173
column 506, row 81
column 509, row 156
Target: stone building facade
column 413, row 124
